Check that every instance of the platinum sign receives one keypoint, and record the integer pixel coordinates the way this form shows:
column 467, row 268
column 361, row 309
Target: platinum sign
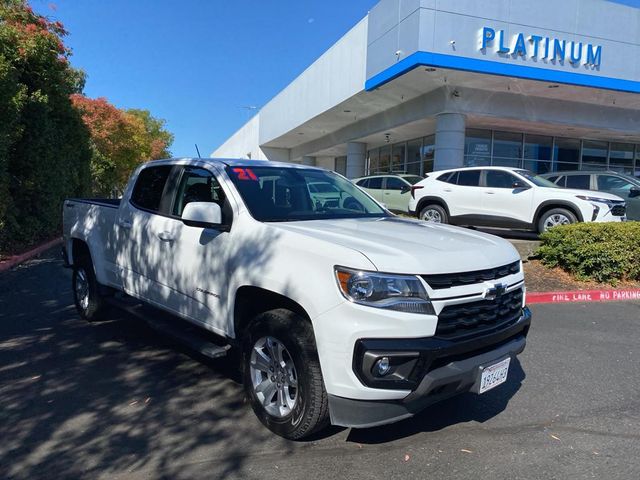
column 543, row 48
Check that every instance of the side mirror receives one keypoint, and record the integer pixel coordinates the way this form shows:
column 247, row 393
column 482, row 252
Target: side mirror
column 202, row 215
column 405, row 189
column 518, row 184
column 634, row 192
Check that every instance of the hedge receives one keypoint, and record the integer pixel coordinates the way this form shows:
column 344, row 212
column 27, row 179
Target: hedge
column 605, row 252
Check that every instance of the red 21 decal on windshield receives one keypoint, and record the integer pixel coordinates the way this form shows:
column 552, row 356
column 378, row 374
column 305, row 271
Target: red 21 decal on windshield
column 245, row 174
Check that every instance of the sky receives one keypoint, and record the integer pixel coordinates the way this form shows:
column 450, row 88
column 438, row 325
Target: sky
column 204, row 66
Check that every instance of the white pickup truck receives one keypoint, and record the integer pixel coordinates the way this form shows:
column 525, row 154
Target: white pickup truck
column 341, row 312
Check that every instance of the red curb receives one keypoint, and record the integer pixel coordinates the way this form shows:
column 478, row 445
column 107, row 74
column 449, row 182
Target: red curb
column 584, row 296
column 16, row 260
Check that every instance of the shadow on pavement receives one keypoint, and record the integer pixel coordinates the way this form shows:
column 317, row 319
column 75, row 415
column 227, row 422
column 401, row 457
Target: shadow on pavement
column 80, row 400
column 468, row 407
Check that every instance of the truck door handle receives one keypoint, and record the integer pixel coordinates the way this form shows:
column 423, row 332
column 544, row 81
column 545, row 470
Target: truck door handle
column 125, row 224
column 166, row 236
column 447, row 189
column 490, row 193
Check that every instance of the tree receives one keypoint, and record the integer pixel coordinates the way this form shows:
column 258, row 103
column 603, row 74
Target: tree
column 44, row 146
column 120, row 141
column 156, row 137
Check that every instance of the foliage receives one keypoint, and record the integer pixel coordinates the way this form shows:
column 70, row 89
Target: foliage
column 605, row 252
column 44, row 146
column 120, row 141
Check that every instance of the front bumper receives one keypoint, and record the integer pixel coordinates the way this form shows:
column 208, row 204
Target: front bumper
column 447, row 368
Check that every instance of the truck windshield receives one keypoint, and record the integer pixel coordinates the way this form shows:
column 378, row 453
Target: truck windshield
column 281, row 194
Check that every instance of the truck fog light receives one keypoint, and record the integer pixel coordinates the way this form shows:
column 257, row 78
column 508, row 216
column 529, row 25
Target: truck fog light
column 382, row 367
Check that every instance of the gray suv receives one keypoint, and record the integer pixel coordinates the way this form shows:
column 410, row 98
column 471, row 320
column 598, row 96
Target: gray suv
column 624, row 186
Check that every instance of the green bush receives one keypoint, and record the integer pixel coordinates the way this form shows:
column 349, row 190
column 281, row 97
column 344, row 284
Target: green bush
column 605, row 252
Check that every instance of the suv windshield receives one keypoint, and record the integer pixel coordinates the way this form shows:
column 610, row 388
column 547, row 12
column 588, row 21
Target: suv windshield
column 281, row 194
column 536, row 180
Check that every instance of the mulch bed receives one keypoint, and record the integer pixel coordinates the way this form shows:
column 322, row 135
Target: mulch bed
column 539, row 278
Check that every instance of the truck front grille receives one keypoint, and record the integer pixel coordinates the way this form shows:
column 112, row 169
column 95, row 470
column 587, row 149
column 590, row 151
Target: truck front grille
column 449, row 280
column 474, row 318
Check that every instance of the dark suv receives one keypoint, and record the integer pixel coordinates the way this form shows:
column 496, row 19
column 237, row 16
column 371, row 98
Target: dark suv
column 624, row 186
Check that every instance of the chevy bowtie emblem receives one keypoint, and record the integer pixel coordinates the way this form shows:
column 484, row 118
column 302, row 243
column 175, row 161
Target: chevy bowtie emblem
column 495, row 291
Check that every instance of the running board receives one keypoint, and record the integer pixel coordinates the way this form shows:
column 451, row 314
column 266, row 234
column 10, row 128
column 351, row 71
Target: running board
column 191, row 336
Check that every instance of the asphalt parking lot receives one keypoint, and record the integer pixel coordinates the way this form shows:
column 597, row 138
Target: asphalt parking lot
column 115, row 400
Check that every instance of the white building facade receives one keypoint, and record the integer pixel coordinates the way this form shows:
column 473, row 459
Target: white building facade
column 423, row 85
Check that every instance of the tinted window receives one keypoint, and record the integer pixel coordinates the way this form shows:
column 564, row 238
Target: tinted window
column 375, row 183
column 413, row 179
column 469, row 178
column 499, row 179
column 197, row 185
column 394, row 183
column 363, row 183
column 579, row 181
column 147, row 192
column 561, row 181
column 451, row 177
column 610, row 182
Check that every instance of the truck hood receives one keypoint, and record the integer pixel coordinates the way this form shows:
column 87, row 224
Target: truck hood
column 398, row 245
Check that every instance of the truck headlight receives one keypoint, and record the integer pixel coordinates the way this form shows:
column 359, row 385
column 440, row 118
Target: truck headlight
column 404, row 293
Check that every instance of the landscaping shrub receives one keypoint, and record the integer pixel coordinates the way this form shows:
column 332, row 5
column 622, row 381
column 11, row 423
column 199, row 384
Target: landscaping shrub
column 605, row 252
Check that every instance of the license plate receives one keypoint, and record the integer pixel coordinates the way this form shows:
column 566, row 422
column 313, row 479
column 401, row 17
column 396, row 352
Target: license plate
column 494, row 375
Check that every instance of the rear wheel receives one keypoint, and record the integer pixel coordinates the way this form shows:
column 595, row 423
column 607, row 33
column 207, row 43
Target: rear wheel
column 282, row 376
column 434, row 213
column 86, row 291
column 555, row 217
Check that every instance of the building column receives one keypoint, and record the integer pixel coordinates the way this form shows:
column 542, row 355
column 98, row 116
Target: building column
column 449, row 147
column 309, row 161
column 356, row 159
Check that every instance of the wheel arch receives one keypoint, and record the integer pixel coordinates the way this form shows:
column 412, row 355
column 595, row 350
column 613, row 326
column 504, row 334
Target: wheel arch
column 551, row 204
column 429, row 200
column 250, row 301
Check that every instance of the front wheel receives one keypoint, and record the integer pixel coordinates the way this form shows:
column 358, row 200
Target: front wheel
column 433, row 213
column 555, row 217
column 282, row 376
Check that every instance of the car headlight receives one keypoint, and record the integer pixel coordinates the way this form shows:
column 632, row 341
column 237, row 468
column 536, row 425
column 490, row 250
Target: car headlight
column 606, row 201
column 404, row 293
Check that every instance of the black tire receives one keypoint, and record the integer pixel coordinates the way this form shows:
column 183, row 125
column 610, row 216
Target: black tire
column 558, row 213
column 91, row 308
column 433, row 211
column 310, row 412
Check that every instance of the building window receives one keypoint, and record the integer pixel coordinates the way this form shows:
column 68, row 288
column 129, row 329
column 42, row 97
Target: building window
column 397, row 158
column 413, row 156
column 507, row 149
column 594, row 155
column 428, row 154
column 374, row 161
column 341, row 165
column 621, row 157
column 385, row 160
column 537, row 153
column 477, row 147
column 566, row 153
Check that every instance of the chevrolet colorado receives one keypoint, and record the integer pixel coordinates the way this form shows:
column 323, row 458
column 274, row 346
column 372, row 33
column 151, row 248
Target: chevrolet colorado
column 340, row 311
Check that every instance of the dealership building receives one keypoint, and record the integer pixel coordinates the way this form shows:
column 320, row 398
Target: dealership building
column 423, row 85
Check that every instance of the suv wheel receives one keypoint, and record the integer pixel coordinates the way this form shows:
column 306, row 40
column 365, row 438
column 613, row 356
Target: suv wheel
column 555, row 217
column 86, row 291
column 433, row 213
column 282, row 376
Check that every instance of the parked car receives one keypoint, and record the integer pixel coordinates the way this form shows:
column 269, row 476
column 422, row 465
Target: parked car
column 508, row 198
column 350, row 316
column 392, row 190
column 624, row 186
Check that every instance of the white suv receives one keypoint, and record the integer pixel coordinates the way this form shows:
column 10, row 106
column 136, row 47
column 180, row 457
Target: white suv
column 508, row 198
